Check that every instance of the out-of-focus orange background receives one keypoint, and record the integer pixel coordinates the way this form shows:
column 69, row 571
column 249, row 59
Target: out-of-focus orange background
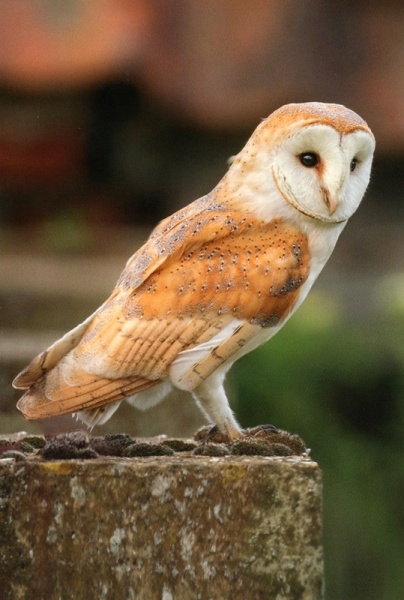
column 117, row 112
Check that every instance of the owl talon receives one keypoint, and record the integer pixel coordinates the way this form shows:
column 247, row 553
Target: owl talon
column 261, row 431
column 212, row 434
column 276, row 437
column 274, row 441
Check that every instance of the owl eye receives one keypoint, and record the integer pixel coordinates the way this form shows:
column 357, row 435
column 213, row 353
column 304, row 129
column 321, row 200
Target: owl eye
column 309, row 159
column 353, row 164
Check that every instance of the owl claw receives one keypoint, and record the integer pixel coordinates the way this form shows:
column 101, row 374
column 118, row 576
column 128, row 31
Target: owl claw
column 252, row 440
column 276, row 437
column 261, row 431
column 212, row 434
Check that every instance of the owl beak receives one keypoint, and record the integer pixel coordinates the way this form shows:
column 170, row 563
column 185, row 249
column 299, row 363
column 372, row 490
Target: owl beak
column 330, row 201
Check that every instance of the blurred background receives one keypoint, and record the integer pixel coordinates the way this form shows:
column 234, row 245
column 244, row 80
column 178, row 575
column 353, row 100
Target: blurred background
column 115, row 113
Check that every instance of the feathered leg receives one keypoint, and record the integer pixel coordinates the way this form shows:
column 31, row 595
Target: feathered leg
column 212, row 399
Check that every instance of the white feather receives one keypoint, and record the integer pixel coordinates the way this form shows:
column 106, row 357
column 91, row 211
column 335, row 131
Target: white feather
column 97, row 416
column 150, row 397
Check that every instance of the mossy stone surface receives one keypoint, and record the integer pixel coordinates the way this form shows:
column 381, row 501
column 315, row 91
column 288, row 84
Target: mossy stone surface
column 166, row 527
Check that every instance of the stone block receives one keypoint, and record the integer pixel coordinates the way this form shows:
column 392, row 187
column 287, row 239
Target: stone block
column 166, row 528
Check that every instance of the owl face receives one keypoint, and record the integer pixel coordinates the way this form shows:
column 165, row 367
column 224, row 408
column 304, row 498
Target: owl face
column 317, row 157
column 322, row 172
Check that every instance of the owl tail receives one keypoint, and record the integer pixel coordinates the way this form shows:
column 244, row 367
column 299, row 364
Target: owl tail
column 45, row 361
column 67, row 388
column 56, row 385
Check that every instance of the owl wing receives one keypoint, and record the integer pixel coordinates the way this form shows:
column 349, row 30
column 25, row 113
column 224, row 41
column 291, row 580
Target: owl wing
column 164, row 244
column 200, row 289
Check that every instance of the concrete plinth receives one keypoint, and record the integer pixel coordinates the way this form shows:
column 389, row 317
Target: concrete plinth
column 166, row 528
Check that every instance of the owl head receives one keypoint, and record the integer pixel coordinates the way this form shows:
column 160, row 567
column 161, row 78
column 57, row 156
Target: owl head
column 312, row 158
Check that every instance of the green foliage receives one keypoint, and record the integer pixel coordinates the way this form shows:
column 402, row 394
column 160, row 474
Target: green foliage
column 340, row 385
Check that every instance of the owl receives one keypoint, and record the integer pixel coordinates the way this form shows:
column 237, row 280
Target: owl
column 216, row 279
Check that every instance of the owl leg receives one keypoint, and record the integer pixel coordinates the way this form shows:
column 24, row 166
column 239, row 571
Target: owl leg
column 211, row 398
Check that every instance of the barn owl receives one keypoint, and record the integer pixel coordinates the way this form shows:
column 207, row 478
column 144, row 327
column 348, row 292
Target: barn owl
column 216, row 279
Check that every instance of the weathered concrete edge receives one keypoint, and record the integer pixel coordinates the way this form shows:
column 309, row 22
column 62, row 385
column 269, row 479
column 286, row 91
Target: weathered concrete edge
column 236, row 495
